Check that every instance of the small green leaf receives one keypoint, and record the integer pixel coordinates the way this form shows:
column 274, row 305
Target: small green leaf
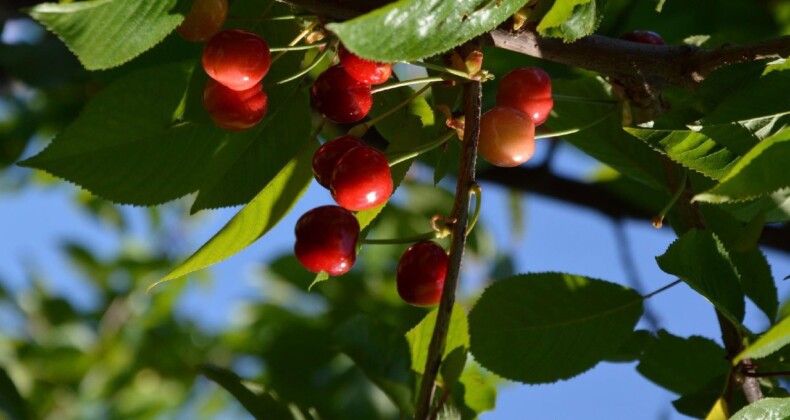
column 774, row 339
column 419, row 337
column 413, row 29
column 682, row 365
column 761, row 171
column 11, row 402
column 382, row 354
column 478, row 388
column 764, row 409
column 452, row 367
column 108, row 33
column 256, row 218
column 539, row 328
column 572, row 19
column 700, row 259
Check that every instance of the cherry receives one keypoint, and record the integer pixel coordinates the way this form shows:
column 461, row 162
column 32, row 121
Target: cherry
column 507, row 137
column 326, row 240
column 233, row 109
column 326, row 157
column 203, row 20
column 421, row 273
column 529, row 90
column 643, row 37
column 362, row 179
column 365, row 71
column 237, row 59
column 340, row 97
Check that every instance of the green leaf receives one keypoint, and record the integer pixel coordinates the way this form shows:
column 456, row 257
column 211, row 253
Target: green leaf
column 774, row 339
column 700, row 259
column 632, row 348
column 757, row 281
column 382, row 354
column 11, row 402
column 572, row 19
column 413, row 29
column 764, row 93
column 682, row 365
column 125, row 145
column 452, row 367
column 539, row 328
column 256, row 218
column 761, row 171
column 108, row 33
column 764, row 409
column 419, row 337
column 698, row 403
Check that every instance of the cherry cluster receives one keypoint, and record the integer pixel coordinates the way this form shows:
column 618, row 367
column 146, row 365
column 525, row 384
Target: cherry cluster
column 236, row 62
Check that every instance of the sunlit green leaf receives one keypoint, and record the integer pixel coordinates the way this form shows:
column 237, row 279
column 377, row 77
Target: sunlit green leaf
column 765, row 409
column 774, row 339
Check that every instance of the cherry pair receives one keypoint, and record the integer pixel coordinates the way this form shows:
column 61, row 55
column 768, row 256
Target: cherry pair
column 507, row 131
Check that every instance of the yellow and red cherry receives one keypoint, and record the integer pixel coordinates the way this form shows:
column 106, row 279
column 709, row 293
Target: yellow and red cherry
column 326, row 240
column 365, row 71
column 421, row 273
column 340, row 97
column 238, row 59
column 507, row 137
column 203, row 20
column 232, row 109
column 643, row 37
column 527, row 89
column 326, row 157
column 362, row 179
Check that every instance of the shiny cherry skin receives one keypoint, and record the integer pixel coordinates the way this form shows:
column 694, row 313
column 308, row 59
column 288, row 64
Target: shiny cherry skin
column 326, row 240
column 507, row 137
column 643, row 37
column 529, row 90
column 421, row 273
column 365, row 71
column 340, row 97
column 203, row 20
column 232, row 109
column 237, row 59
column 362, row 179
column 326, row 157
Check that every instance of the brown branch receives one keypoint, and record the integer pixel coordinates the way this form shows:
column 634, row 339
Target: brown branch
column 460, row 215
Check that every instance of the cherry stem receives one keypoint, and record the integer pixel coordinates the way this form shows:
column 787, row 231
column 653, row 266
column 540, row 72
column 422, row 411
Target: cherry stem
column 658, row 221
column 397, row 158
column 577, row 129
column 665, row 288
column 297, row 47
column 407, row 83
column 268, row 19
column 359, row 130
column 298, row 38
column 314, row 64
column 568, row 98
column 408, row 240
column 442, row 69
column 478, row 193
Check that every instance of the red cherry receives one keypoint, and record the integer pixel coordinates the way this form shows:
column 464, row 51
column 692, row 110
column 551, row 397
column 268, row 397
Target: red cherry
column 529, row 90
column 233, row 109
column 365, row 71
column 421, row 273
column 326, row 240
column 326, row 157
column 203, row 20
column 237, row 59
column 507, row 137
column 362, row 179
column 643, row 37
column 340, row 97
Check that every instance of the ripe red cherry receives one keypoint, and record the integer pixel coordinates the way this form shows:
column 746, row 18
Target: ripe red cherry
column 340, row 97
column 233, row 109
column 362, row 179
column 203, row 20
column 326, row 157
column 643, row 37
column 237, row 59
column 326, row 240
column 507, row 137
column 365, row 71
column 529, row 90
column 421, row 272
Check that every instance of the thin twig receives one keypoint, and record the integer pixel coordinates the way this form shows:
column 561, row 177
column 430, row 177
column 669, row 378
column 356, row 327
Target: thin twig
column 631, row 273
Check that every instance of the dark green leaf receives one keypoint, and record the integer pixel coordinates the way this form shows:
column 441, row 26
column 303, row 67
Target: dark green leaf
column 413, row 29
column 11, row 402
column 572, row 19
column 699, row 402
column 419, row 337
column 538, row 328
column 633, row 347
column 261, row 404
column 452, row 367
column 774, row 339
column 757, row 281
column 108, row 33
column 765, row 96
column 700, row 259
column 765, row 409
